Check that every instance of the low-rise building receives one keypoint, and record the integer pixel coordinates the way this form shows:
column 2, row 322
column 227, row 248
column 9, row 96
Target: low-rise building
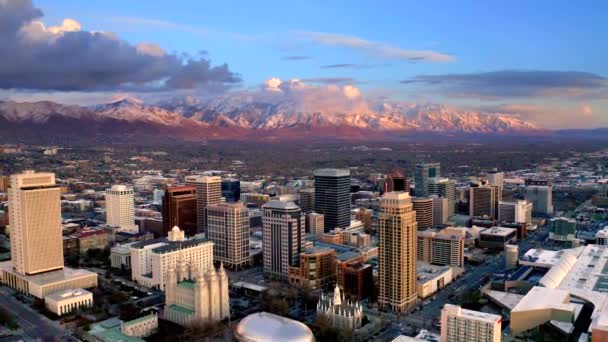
column 120, row 256
column 90, row 238
column 68, row 301
column 497, row 237
column 317, row 268
column 140, row 327
column 432, row 278
column 458, row 324
column 440, row 248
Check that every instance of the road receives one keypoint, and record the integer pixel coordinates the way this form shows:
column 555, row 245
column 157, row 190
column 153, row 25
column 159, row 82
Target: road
column 35, row 326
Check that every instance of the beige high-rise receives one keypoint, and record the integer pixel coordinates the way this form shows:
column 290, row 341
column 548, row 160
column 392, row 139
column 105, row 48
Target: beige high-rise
column 208, row 192
column 228, row 228
column 35, row 223
column 397, row 252
column 120, row 207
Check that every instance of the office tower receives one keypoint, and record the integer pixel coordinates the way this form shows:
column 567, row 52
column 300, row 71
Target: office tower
column 4, row 183
column 444, row 187
column 511, row 256
column 364, row 215
column 396, row 181
column 517, row 212
column 440, row 211
column 482, row 200
column 228, row 228
column 317, row 268
column 424, row 212
column 540, row 194
column 151, row 259
column 496, row 178
column 440, row 248
column 283, row 233
column 332, row 197
column 120, row 207
column 423, row 172
column 231, row 189
column 315, row 224
column 458, row 324
column 35, row 223
column 397, row 252
column 307, row 200
column 196, row 295
column 208, row 191
column 158, row 196
column 562, row 229
column 179, row 209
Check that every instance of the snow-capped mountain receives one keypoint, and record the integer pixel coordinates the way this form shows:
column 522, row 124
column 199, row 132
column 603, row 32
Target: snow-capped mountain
column 247, row 117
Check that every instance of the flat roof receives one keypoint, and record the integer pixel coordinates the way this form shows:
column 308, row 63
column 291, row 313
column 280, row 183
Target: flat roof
column 65, row 294
column 544, row 298
column 47, row 278
column 470, row 314
column 332, row 172
column 498, row 231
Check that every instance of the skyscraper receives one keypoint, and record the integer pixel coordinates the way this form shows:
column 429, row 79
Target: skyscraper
column 423, row 207
column 307, row 200
column 35, row 223
column 179, row 209
column 440, row 211
column 444, row 187
column 482, row 200
column 283, row 238
column 396, row 181
column 540, row 193
column 228, row 228
column 518, row 212
column 208, row 191
column 332, row 197
column 231, row 189
column 423, row 172
column 458, row 324
column 397, row 252
column 120, row 207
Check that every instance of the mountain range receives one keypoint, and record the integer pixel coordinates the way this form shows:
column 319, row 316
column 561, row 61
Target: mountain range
column 234, row 117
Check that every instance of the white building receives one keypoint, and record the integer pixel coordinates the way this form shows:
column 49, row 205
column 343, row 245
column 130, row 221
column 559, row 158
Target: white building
column 140, row 327
column 432, row 278
column 601, row 237
column 120, row 208
column 67, row 301
column 518, row 212
column 151, row 259
column 196, row 295
column 120, row 256
column 458, row 324
column 342, row 314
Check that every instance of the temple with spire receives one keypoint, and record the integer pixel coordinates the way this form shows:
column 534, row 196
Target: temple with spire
column 342, row 313
column 196, row 295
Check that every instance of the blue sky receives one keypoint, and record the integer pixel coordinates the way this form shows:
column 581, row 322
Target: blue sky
column 376, row 45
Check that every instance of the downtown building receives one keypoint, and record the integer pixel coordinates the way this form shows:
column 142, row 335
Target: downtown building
column 228, row 228
column 332, row 197
column 440, row 248
column 483, row 200
column 423, row 207
column 422, row 174
column 208, row 192
column 180, row 209
column 458, row 324
column 446, row 188
column 397, row 229
column 516, row 212
column 120, row 208
column 540, row 194
column 36, row 267
column 283, row 238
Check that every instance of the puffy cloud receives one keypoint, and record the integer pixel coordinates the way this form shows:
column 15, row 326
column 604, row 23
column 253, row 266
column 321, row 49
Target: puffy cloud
column 518, row 83
column 374, row 48
column 67, row 58
column 351, row 92
column 586, row 110
column 273, row 84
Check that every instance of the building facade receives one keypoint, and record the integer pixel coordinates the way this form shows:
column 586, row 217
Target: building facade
column 283, row 238
column 208, row 192
column 440, row 249
column 482, row 200
column 317, row 269
column 458, row 324
column 228, row 228
column 332, row 197
column 517, row 212
column 440, row 211
column 397, row 252
column 342, row 313
column 306, row 200
column 446, row 188
column 68, row 301
column 422, row 173
column 180, row 209
column 423, row 207
column 231, row 190
column 120, row 207
column 195, row 295
column 540, row 194
column 315, row 224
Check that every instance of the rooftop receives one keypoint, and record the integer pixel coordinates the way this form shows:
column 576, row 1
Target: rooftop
column 470, row 314
column 71, row 293
column 499, row 231
column 51, row 277
column 332, row 172
column 277, row 204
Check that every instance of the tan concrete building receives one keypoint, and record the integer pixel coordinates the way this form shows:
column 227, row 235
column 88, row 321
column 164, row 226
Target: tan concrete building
column 208, row 192
column 397, row 253
column 424, row 212
column 35, row 223
column 228, row 228
column 67, row 301
column 458, row 324
column 140, row 327
column 483, row 200
column 90, row 238
column 283, row 238
column 317, row 268
column 315, row 224
column 440, row 248
column 364, row 215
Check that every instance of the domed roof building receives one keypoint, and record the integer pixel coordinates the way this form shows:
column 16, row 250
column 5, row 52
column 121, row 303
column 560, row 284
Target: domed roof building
column 342, row 314
column 265, row 326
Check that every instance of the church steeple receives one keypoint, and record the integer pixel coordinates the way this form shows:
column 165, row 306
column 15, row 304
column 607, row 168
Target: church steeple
column 337, row 297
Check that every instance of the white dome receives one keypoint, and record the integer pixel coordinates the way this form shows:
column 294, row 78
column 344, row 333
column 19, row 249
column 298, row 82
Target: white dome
column 264, row 327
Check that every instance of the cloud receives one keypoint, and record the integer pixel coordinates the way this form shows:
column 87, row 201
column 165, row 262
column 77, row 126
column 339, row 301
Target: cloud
column 295, row 58
column 346, row 66
column 160, row 24
column 330, row 80
column 375, row 48
column 518, row 83
column 67, row 58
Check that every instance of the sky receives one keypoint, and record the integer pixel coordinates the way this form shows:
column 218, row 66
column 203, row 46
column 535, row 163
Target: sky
column 543, row 60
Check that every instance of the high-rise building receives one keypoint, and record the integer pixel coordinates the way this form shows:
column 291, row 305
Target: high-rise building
column 482, row 200
column 283, row 238
column 496, row 178
column 396, row 181
column 517, row 212
column 231, row 189
column 307, row 200
column 540, row 194
column 120, row 207
column 364, row 215
column 35, row 223
column 208, row 191
column 397, row 252
column 424, row 212
column 444, row 187
column 4, row 183
column 458, row 324
column 196, row 295
column 423, row 172
column 228, row 228
column 317, row 268
column 562, row 229
column 440, row 248
column 315, row 224
column 179, row 209
column 332, row 197
column 440, row 211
